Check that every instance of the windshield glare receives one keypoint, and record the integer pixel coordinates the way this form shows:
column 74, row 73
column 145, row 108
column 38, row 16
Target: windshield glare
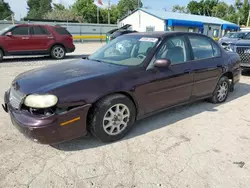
column 238, row 35
column 6, row 29
column 125, row 50
column 228, row 34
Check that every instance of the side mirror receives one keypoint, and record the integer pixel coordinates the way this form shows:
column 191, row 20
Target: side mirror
column 9, row 34
column 85, row 57
column 162, row 63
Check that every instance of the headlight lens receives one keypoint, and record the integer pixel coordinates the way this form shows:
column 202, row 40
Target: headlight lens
column 40, row 101
column 230, row 47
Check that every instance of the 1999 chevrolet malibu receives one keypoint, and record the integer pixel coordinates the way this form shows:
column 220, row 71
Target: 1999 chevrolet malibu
column 130, row 78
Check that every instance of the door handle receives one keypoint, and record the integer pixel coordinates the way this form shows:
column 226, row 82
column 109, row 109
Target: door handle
column 25, row 38
column 50, row 37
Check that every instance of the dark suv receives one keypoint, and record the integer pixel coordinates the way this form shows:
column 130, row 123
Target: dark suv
column 32, row 39
column 240, row 42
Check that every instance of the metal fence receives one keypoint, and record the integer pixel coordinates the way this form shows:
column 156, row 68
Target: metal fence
column 80, row 31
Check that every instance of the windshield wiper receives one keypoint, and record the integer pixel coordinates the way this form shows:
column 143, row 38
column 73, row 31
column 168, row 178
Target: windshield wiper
column 100, row 61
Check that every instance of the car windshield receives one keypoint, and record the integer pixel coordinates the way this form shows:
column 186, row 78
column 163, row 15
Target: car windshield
column 127, row 50
column 238, row 35
column 6, row 29
column 228, row 34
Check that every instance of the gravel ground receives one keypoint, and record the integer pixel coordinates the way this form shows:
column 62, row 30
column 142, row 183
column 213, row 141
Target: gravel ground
column 195, row 146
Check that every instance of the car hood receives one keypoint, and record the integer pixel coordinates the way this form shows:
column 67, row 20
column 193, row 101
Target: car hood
column 43, row 80
column 242, row 43
column 228, row 40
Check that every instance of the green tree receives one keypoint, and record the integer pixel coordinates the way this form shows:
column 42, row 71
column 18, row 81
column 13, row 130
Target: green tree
column 86, row 9
column 114, row 14
column 195, row 7
column 180, row 9
column 38, row 8
column 58, row 6
column 220, row 10
column 60, row 12
column 244, row 12
column 5, row 11
column 126, row 6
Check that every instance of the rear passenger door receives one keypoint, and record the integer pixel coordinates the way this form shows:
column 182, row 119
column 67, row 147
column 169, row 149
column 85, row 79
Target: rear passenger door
column 41, row 38
column 207, row 65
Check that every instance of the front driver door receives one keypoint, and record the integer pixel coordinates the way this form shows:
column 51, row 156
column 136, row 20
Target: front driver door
column 168, row 86
column 19, row 42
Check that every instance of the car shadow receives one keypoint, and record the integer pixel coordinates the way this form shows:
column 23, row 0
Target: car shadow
column 34, row 59
column 155, row 122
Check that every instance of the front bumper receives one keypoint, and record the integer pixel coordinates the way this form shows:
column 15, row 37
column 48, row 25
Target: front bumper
column 245, row 65
column 51, row 129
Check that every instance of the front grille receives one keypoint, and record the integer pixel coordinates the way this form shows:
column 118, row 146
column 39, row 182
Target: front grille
column 244, row 53
column 15, row 98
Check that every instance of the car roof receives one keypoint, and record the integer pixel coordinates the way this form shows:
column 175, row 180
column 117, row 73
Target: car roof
column 44, row 25
column 159, row 34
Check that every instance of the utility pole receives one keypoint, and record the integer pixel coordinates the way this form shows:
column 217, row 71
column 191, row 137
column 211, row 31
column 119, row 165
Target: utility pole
column 109, row 12
column 248, row 18
column 13, row 19
column 97, row 15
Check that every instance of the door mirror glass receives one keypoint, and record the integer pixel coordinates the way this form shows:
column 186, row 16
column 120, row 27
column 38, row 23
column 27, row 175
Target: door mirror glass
column 162, row 63
column 9, row 34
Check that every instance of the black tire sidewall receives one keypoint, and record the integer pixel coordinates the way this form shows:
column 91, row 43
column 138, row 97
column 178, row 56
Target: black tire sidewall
column 52, row 52
column 1, row 55
column 214, row 99
column 96, row 121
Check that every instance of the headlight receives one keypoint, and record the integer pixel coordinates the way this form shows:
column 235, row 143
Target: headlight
column 230, row 47
column 40, row 101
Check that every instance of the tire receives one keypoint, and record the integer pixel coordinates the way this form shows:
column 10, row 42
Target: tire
column 221, row 91
column 105, row 125
column 58, row 52
column 1, row 55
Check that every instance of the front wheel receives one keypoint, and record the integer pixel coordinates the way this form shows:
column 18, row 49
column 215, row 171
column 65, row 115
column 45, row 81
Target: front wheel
column 58, row 52
column 112, row 118
column 221, row 91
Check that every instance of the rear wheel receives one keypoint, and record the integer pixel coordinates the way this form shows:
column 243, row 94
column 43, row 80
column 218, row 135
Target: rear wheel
column 221, row 91
column 1, row 55
column 58, row 52
column 112, row 118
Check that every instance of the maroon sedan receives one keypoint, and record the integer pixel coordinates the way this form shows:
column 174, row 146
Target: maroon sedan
column 130, row 78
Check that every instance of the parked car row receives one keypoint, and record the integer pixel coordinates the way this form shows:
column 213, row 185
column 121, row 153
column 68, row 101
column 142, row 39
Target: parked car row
column 33, row 39
column 132, row 77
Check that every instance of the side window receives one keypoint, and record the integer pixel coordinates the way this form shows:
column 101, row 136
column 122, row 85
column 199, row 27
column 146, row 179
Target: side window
column 21, row 30
column 174, row 49
column 247, row 36
column 37, row 30
column 145, row 47
column 203, row 47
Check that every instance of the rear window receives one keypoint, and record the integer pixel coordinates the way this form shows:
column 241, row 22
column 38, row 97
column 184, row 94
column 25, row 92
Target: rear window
column 38, row 30
column 61, row 31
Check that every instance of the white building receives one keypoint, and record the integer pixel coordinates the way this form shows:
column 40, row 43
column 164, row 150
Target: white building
column 153, row 20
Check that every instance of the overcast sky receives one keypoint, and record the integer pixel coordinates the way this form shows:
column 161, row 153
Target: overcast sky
column 19, row 7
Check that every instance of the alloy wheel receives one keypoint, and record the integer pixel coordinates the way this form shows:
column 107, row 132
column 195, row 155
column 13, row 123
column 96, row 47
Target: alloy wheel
column 59, row 52
column 116, row 119
column 222, row 91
